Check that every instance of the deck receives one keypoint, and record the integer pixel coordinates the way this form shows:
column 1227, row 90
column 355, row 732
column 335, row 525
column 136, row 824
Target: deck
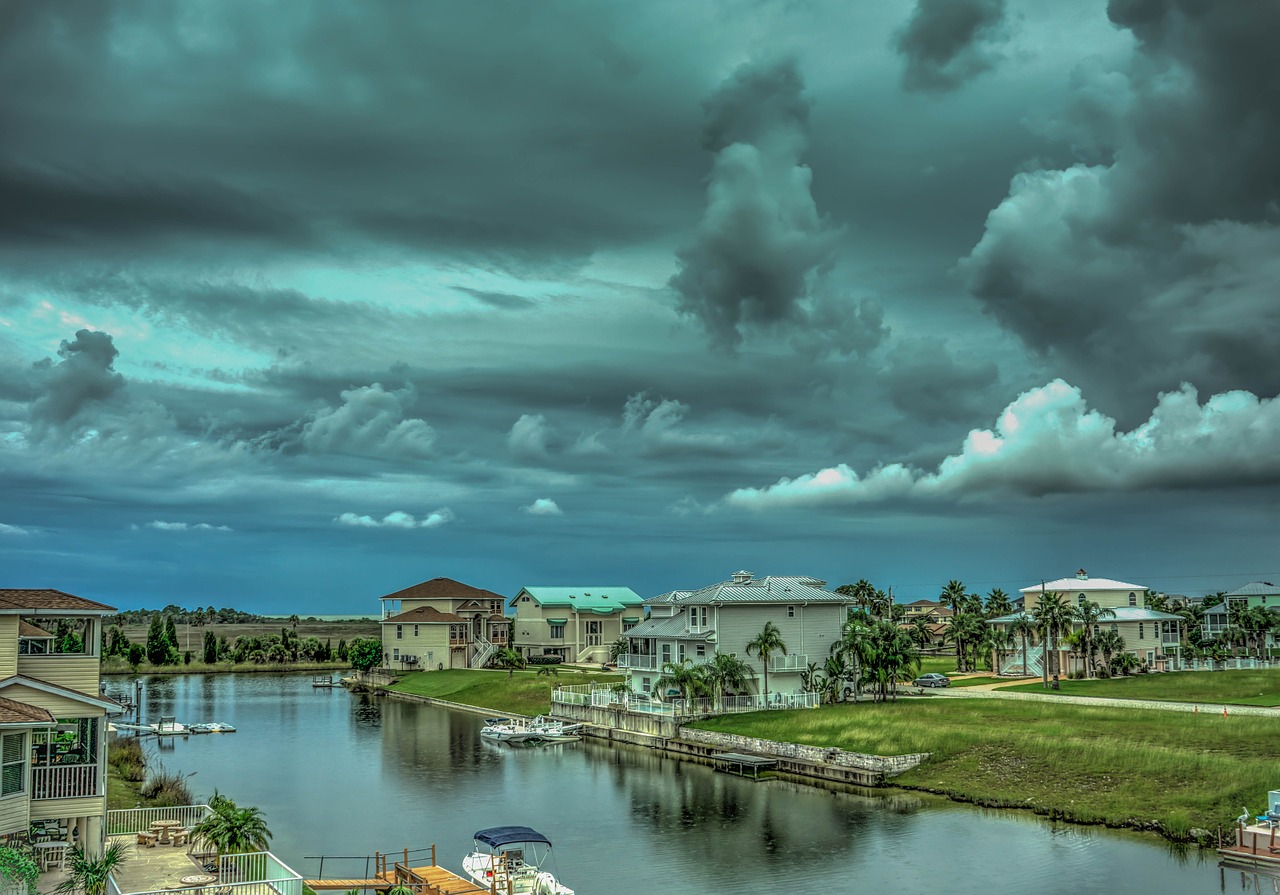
column 742, row 764
column 430, row 879
column 1256, row 845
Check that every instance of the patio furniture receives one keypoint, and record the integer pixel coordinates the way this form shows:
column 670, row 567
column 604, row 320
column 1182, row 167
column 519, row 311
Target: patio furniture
column 198, row 879
column 164, row 829
column 181, row 836
column 51, row 854
column 147, row 839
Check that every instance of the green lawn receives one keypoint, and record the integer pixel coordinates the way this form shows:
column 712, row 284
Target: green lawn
column 522, row 693
column 975, row 681
column 1249, row 687
column 1117, row 766
column 941, row 664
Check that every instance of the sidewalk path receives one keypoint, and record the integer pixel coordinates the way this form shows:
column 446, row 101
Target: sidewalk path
column 989, row 692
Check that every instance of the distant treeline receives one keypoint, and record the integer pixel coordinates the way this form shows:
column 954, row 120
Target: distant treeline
column 209, row 615
column 162, row 647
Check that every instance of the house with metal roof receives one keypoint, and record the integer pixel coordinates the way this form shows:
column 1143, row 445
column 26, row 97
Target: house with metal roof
column 725, row 616
column 1256, row 593
column 440, row 624
column 53, row 716
column 578, row 624
column 1153, row 637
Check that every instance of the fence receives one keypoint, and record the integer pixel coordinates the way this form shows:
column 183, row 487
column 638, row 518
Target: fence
column 606, row 697
column 126, row 821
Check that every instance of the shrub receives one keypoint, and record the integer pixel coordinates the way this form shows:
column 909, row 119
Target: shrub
column 167, row 789
column 18, row 866
column 544, row 660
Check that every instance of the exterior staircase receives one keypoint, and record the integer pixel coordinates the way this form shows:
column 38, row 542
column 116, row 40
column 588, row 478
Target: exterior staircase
column 1035, row 662
column 484, row 652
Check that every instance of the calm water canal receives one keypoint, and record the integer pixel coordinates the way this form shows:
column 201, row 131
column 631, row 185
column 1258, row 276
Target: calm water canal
column 342, row 774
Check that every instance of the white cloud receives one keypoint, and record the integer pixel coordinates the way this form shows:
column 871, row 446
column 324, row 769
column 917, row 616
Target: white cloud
column 160, row 525
column 1049, row 441
column 657, row 423
column 13, row 530
column 372, row 421
column 543, row 506
column 528, row 437
column 589, row 444
column 397, row 519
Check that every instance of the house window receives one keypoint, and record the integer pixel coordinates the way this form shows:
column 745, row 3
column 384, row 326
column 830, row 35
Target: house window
column 1080, row 600
column 704, row 616
column 1139, row 630
column 627, row 626
column 1115, row 629
column 13, row 764
column 702, row 650
column 595, row 627
column 646, row 685
column 524, row 599
column 415, row 630
column 395, row 655
column 399, row 632
column 1133, row 599
column 791, row 612
column 557, row 632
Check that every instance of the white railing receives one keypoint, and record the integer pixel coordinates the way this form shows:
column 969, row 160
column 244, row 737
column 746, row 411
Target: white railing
column 638, row 661
column 256, row 873
column 607, row 697
column 68, row 781
column 788, row 663
column 484, row 652
column 1170, row 638
column 126, row 821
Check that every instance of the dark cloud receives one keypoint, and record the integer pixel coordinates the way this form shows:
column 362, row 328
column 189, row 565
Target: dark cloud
column 761, row 237
column 84, row 376
column 1156, row 263
column 841, row 326
column 924, row 380
column 947, row 42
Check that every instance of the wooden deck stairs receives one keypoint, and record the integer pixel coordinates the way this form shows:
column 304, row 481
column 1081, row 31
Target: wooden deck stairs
column 430, row 879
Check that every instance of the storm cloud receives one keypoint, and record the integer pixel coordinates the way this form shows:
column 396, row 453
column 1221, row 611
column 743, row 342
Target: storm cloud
column 947, row 42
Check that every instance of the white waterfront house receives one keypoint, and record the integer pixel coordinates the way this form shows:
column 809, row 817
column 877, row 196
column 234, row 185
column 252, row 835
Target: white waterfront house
column 724, row 617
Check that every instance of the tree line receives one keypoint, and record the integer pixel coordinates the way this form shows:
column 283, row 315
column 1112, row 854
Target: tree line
column 162, row 647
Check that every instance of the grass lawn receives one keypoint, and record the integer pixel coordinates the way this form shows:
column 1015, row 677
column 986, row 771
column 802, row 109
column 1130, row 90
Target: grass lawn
column 1122, row 767
column 522, row 693
column 1248, row 687
column 975, row 681
column 940, row 664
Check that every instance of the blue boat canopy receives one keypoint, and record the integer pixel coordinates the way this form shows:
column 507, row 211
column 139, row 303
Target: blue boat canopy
column 496, row 837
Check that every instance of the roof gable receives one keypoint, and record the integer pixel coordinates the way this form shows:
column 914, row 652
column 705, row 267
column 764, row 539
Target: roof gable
column 47, row 599
column 443, row 588
column 34, row 683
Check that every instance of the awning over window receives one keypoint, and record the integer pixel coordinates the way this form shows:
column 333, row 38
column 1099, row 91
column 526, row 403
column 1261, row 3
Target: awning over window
column 557, row 621
column 631, row 618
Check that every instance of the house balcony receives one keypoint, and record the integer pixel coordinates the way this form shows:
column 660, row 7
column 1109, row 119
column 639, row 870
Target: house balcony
column 70, row 781
column 637, row 662
column 788, row 663
column 1174, row 639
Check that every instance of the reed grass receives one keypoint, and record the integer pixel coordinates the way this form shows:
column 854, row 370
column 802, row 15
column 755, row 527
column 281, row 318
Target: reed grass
column 1164, row 771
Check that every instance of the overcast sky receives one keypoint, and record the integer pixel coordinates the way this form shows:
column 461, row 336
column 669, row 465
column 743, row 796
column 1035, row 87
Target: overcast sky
column 304, row 303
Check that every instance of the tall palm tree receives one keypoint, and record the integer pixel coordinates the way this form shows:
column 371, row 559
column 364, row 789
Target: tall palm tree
column 724, row 671
column 853, row 648
column 765, row 644
column 1088, row 614
column 861, row 591
column 920, row 630
column 953, row 596
column 1109, row 644
column 998, row 603
column 1053, row 616
column 1024, row 628
column 880, row 604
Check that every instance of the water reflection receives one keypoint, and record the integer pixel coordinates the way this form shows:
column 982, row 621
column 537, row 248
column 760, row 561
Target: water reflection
column 342, row 773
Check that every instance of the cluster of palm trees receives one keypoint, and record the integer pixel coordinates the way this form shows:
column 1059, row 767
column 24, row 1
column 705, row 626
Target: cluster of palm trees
column 715, row 677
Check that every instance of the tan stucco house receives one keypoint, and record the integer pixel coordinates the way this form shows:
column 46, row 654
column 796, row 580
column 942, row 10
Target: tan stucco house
column 440, row 624
column 578, row 624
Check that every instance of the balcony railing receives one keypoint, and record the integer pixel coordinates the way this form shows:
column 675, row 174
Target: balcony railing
column 1170, row 638
column 134, row 820
column 70, row 781
column 788, row 663
column 638, row 662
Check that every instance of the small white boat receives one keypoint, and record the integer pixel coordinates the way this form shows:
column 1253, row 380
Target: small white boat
column 506, row 730
column 540, row 730
column 513, row 859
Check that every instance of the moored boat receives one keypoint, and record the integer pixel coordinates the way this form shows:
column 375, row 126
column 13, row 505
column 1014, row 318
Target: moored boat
column 211, row 727
column 513, row 859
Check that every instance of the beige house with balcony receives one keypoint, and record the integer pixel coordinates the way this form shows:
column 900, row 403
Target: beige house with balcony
column 440, row 624
column 578, row 624
column 53, row 717
column 725, row 616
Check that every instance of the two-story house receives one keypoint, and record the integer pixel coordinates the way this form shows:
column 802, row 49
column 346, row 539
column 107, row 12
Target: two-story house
column 440, row 624
column 1153, row 637
column 1262, row 594
column 53, row 717
column 726, row 616
column 578, row 624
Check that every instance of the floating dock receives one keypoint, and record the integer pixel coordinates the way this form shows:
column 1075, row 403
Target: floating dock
column 429, row 879
column 742, row 764
column 1256, row 846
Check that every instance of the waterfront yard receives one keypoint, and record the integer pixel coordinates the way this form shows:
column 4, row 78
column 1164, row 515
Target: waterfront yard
column 1248, row 687
column 522, row 693
column 1121, row 767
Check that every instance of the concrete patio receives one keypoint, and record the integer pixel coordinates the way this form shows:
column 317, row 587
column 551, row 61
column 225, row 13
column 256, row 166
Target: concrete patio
column 144, row 869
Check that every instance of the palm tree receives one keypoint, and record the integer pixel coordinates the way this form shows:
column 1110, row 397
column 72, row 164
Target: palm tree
column 509, row 659
column 862, row 591
column 1053, row 616
column 837, row 671
column 998, row 603
column 232, row 829
column 880, row 604
column 724, row 671
column 618, row 648
column 1088, row 614
column 892, row 657
column 1109, row 643
column 89, row 875
column 765, row 644
column 853, row 648
column 1024, row 628
column 920, row 631
column 293, row 620
column 683, row 676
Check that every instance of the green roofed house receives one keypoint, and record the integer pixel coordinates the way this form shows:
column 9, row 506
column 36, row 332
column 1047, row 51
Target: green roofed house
column 578, row 624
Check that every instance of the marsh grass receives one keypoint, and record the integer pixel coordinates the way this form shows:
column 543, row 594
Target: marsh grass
column 522, row 693
column 166, row 789
column 1247, row 687
column 1147, row 769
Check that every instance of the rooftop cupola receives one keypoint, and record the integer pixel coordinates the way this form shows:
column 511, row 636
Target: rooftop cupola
column 1082, row 574
column 742, row 577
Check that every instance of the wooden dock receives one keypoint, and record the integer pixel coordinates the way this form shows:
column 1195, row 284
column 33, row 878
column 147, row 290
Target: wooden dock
column 430, row 879
column 742, row 764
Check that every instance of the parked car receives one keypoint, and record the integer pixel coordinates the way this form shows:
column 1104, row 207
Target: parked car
column 932, row 679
